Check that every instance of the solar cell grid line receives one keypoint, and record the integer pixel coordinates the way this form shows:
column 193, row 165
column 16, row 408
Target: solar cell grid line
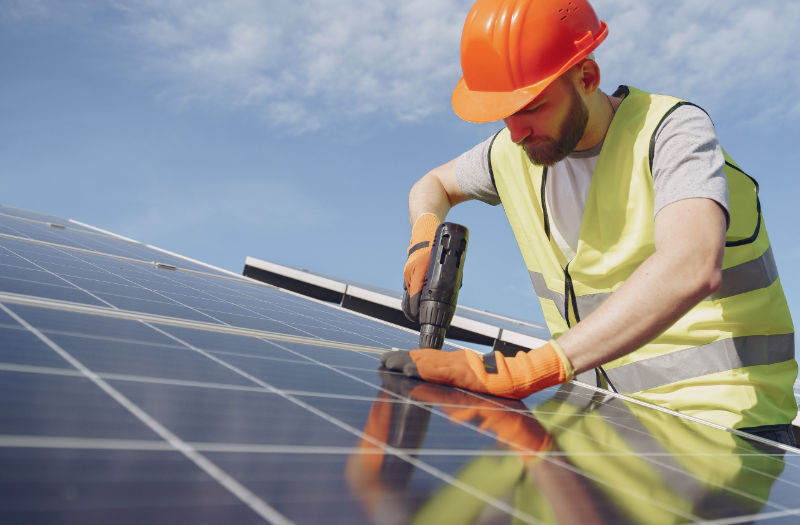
column 80, row 241
column 591, row 393
column 32, row 228
column 320, row 321
column 335, row 315
column 656, row 458
column 60, row 233
column 189, row 267
column 34, row 369
column 633, row 495
column 733, row 489
column 659, row 408
column 61, row 277
column 331, row 316
column 776, row 518
column 431, row 460
column 200, row 291
column 87, row 292
column 62, row 309
column 131, row 406
column 206, row 311
column 12, row 211
column 399, row 453
column 254, row 502
column 16, row 213
column 201, row 314
column 670, row 467
column 295, row 324
column 750, row 437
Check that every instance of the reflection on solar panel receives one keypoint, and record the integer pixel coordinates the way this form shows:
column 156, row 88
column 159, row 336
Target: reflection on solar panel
column 140, row 387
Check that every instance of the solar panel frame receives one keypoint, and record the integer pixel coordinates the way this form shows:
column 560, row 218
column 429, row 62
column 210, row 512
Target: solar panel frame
column 468, row 324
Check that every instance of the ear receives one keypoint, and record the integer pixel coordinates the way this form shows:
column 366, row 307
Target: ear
column 588, row 76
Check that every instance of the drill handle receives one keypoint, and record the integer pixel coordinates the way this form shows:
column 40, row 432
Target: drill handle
column 446, row 267
column 439, row 296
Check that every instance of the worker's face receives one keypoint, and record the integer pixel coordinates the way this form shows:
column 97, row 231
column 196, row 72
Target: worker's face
column 551, row 126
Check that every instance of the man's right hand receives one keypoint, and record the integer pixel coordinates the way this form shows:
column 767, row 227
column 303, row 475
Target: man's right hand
column 419, row 256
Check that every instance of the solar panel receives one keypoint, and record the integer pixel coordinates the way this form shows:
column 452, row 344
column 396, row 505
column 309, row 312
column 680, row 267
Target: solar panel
column 140, row 387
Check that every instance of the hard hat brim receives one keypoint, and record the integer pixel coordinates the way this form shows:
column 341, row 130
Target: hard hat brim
column 489, row 106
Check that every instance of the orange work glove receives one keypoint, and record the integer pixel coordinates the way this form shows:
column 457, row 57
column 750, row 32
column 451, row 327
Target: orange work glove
column 513, row 377
column 419, row 257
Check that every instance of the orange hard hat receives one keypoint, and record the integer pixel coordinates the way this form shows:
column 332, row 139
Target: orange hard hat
column 511, row 50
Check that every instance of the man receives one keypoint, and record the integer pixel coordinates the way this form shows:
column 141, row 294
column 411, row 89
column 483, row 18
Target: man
column 644, row 240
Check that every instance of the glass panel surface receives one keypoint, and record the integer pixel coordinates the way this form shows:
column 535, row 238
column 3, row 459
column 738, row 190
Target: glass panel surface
column 76, row 486
column 315, row 433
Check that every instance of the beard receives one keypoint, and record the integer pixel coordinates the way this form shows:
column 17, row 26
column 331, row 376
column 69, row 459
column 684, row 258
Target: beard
column 547, row 151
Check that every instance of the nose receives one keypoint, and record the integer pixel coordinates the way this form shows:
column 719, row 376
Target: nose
column 518, row 128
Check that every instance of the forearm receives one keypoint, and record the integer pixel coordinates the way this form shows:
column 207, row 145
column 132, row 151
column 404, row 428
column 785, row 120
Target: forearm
column 435, row 193
column 683, row 271
column 644, row 306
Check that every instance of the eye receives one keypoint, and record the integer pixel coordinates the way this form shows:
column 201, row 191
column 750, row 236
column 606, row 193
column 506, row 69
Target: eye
column 533, row 109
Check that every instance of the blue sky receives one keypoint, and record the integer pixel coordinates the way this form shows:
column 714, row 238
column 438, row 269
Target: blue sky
column 292, row 130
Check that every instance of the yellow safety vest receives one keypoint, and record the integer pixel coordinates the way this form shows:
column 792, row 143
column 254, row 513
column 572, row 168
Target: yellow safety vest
column 730, row 359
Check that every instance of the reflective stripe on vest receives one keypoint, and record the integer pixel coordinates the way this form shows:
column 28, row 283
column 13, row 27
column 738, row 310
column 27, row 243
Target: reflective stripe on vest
column 720, row 356
column 746, row 277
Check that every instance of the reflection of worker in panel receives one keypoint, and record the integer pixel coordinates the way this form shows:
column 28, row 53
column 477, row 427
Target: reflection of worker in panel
column 580, row 460
column 644, row 240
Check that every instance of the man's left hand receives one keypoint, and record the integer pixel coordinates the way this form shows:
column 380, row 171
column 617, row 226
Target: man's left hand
column 513, row 377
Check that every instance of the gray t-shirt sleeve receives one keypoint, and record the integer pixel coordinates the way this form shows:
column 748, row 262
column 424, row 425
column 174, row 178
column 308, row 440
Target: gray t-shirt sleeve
column 688, row 160
column 473, row 175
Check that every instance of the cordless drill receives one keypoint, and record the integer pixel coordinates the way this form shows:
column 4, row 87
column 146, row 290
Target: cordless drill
column 438, row 299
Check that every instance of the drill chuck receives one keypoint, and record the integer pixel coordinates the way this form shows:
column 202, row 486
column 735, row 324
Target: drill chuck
column 439, row 296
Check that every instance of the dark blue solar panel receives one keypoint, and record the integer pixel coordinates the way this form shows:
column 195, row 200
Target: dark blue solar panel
column 191, row 418
column 38, row 217
column 96, row 280
column 70, row 486
column 36, row 404
column 84, row 239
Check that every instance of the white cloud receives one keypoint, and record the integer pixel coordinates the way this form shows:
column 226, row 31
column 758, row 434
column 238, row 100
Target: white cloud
column 320, row 63
column 304, row 65
column 21, row 9
column 734, row 56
